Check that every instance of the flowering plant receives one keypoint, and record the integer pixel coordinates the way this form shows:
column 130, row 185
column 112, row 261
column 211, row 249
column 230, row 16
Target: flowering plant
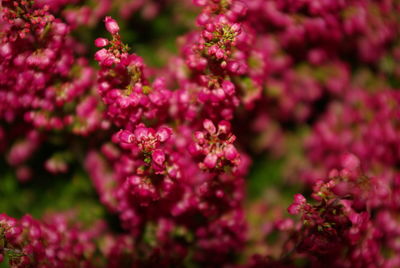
column 204, row 133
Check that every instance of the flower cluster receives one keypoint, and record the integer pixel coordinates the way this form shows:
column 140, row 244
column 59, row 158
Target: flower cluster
column 158, row 169
column 44, row 83
column 346, row 220
column 365, row 124
column 55, row 242
column 174, row 151
column 216, row 145
column 37, row 50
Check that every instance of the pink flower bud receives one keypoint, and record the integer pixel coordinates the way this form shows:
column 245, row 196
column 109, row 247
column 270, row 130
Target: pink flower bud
column 239, row 8
column 126, row 136
column 35, row 232
column 158, row 157
column 228, row 87
column 101, row 42
column 345, row 173
column 134, row 180
column 333, row 173
column 111, row 25
column 208, row 35
column 285, row 224
column 218, row 94
column 219, row 193
column 294, row 209
column 200, row 3
column 350, row 162
column 230, row 152
column 224, row 127
column 233, row 67
column 219, row 54
column 299, row 199
column 236, row 27
column 142, row 133
column 212, row 50
column 341, row 189
column 209, row 126
column 199, row 136
column 203, row 18
column 5, row 50
column 210, row 160
column 101, row 55
column 163, row 134
column 60, row 28
column 210, row 27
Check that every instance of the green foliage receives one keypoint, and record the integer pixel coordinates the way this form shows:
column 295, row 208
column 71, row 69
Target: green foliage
column 49, row 194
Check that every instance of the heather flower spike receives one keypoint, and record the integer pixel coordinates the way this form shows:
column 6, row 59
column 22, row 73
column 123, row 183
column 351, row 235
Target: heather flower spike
column 188, row 156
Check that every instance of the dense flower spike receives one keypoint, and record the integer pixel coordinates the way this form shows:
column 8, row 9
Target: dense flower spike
column 32, row 41
column 123, row 84
column 343, row 221
column 57, row 242
column 365, row 124
column 155, row 176
column 45, row 84
column 216, row 145
column 309, row 87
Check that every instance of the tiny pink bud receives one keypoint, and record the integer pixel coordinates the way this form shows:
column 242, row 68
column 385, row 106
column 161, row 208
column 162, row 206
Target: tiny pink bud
column 219, row 94
column 230, row 152
column 163, row 133
column 212, row 50
column 285, row 224
column 239, row 8
column 345, row 173
column 101, row 55
column 224, row 127
column 111, row 25
column 341, row 189
column 210, row 160
column 333, row 173
column 142, row 133
column 208, row 35
column 35, row 232
column 200, row 3
column 209, row 126
column 60, row 28
column 235, row 27
column 203, row 18
column 223, row 64
column 101, row 42
column 233, row 67
column 173, row 171
column 228, row 87
column 299, row 199
column 158, row 157
column 350, row 162
column 219, row 54
column 294, row 209
column 219, row 193
column 210, row 27
column 126, row 136
column 5, row 50
column 134, row 180
column 199, row 136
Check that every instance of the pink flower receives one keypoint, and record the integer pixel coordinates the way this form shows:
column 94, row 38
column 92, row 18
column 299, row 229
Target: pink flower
column 101, row 42
column 111, row 25
column 209, row 126
column 210, row 160
column 158, row 157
